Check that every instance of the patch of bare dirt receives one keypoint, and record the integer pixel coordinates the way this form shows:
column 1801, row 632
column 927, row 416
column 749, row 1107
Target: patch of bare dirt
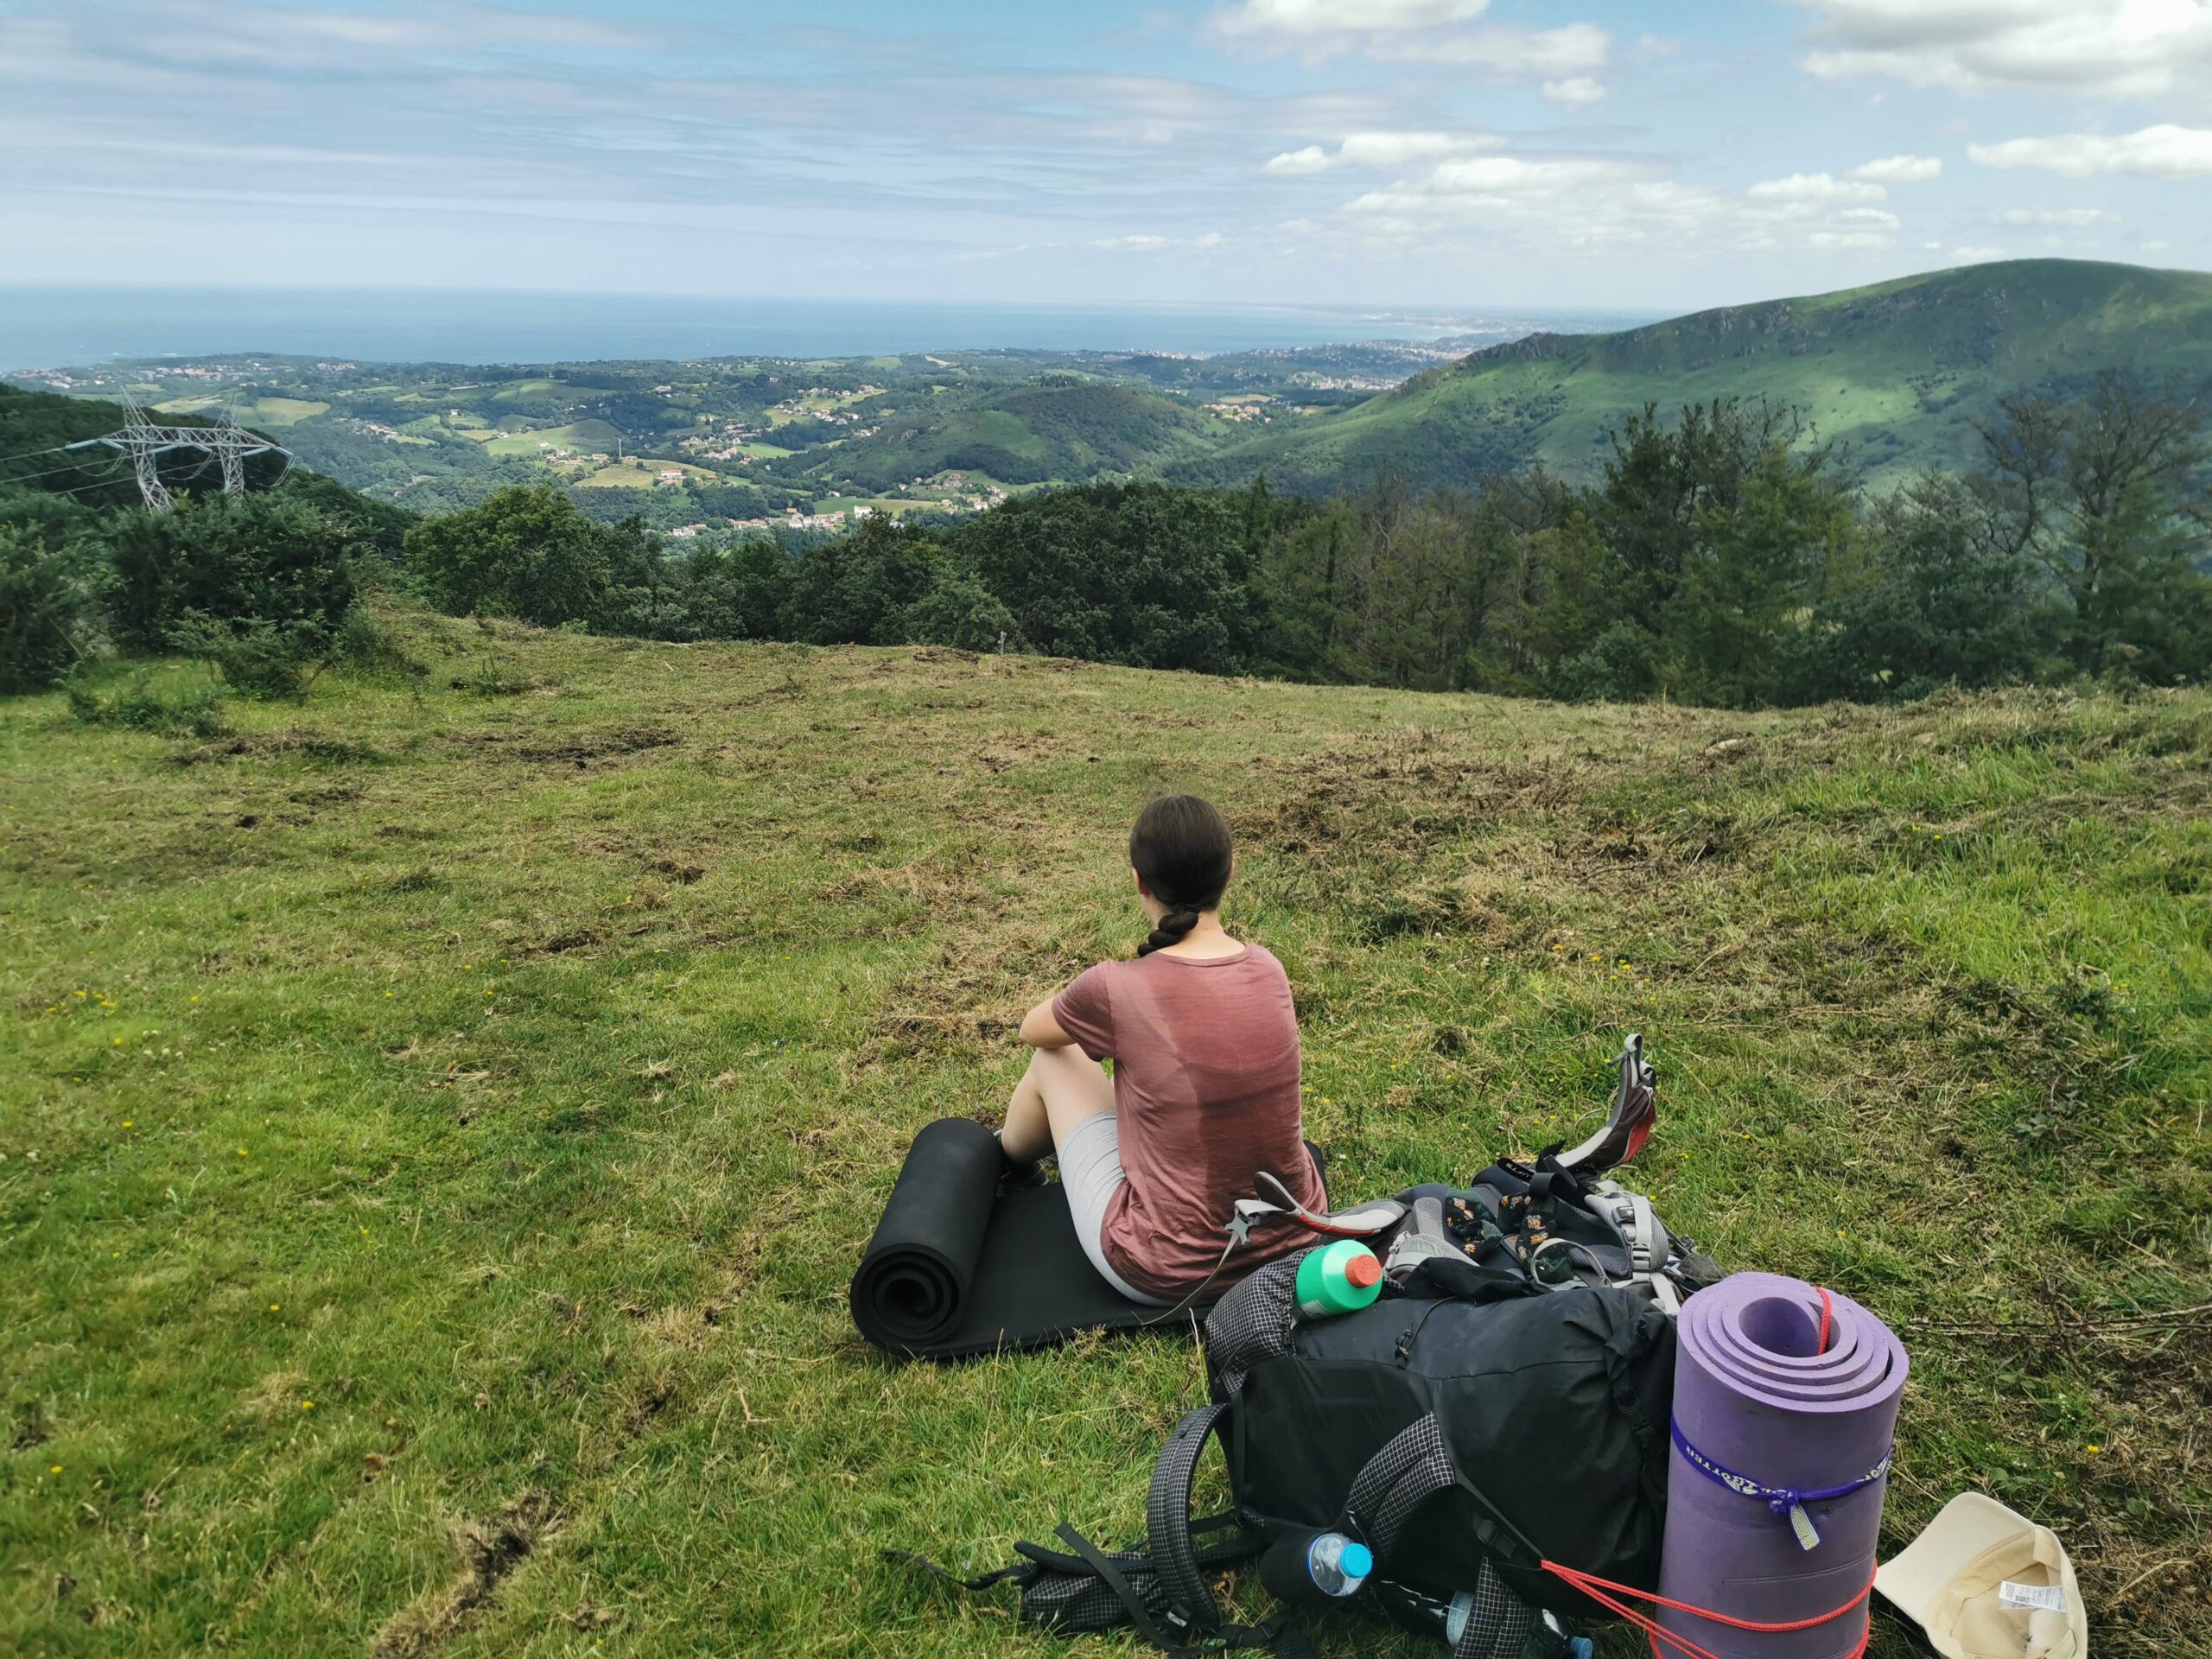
column 293, row 740
column 578, row 748
column 490, row 1550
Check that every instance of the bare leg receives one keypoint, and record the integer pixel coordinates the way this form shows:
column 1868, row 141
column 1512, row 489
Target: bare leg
column 1061, row 1088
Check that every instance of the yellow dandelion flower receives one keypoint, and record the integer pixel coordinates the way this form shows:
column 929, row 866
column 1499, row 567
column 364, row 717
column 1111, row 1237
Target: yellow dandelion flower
column 306, row 1405
column 56, row 1470
column 126, row 1124
column 2089, row 1448
column 275, row 1307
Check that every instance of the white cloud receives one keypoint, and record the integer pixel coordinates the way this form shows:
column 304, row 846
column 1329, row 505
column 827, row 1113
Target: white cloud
column 1900, row 169
column 1577, row 201
column 1979, row 256
column 1151, row 244
column 2075, row 217
column 2117, row 47
column 1310, row 17
column 1575, row 89
column 1291, row 162
column 2163, row 151
column 1417, row 31
column 1582, row 201
column 1510, row 53
column 1815, row 187
column 1382, row 150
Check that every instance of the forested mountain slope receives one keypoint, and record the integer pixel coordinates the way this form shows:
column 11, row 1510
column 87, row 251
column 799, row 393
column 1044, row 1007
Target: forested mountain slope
column 1897, row 373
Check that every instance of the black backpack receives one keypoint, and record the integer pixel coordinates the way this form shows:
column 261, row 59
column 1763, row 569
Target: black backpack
column 1467, row 1438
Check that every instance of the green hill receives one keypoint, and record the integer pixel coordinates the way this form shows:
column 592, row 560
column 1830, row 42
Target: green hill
column 1062, row 426
column 36, row 428
column 1896, row 373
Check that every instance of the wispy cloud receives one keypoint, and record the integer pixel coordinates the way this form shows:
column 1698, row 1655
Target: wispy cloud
column 1324, row 17
column 1900, row 169
column 1381, row 149
column 1565, row 58
column 2070, row 218
column 2163, row 151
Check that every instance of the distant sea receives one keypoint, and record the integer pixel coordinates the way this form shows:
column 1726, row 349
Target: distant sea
column 53, row 327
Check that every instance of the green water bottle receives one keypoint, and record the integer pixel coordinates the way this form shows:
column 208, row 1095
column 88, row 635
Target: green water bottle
column 1341, row 1279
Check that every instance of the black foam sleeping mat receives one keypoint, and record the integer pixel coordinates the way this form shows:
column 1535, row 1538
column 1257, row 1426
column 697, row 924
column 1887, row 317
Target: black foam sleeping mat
column 956, row 1268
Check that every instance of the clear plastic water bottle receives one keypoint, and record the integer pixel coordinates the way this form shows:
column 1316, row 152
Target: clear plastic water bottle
column 1546, row 1639
column 1337, row 1564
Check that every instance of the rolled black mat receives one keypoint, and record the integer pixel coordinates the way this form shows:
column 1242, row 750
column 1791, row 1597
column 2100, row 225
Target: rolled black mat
column 956, row 1268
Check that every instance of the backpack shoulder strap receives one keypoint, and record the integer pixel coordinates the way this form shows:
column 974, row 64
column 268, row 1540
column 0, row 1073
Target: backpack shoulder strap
column 1412, row 1466
column 1171, row 1539
column 1167, row 1520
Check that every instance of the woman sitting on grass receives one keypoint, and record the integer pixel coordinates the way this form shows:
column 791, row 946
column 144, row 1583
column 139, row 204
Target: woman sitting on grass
column 1205, row 1091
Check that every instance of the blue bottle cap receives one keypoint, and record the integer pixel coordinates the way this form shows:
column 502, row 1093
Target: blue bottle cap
column 1356, row 1560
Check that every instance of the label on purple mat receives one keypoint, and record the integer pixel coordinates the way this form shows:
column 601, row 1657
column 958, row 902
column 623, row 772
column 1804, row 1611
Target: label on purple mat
column 2046, row 1598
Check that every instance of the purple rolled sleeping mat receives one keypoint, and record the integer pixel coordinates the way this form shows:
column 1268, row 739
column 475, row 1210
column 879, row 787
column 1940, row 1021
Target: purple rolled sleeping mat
column 1785, row 1412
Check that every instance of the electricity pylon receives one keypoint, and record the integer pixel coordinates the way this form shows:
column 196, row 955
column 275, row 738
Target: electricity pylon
column 229, row 443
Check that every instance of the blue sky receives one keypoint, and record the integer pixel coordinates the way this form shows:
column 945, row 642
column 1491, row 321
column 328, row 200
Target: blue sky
column 1446, row 153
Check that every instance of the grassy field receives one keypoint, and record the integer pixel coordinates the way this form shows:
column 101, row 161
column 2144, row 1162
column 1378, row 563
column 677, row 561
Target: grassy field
column 635, row 474
column 439, row 1121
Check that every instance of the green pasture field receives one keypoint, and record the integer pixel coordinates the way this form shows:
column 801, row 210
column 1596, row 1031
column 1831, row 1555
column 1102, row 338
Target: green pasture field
column 891, row 505
column 264, row 411
column 633, row 474
column 440, row 1120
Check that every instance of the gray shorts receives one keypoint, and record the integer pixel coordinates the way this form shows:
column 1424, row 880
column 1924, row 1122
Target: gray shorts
column 1090, row 1170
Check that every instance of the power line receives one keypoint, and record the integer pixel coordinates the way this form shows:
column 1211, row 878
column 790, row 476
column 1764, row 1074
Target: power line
column 144, row 444
column 27, row 454
column 25, row 478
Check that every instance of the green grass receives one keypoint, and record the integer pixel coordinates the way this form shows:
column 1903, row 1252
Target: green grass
column 586, row 436
column 261, row 411
column 633, row 473
column 441, row 1121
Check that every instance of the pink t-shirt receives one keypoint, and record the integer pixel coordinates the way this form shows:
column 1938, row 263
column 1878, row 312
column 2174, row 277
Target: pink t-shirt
column 1205, row 1096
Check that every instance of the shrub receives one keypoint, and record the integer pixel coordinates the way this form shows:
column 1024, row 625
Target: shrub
column 959, row 611
column 526, row 553
column 182, row 710
column 362, row 649
column 1617, row 667
column 257, row 659
column 48, row 601
column 274, row 559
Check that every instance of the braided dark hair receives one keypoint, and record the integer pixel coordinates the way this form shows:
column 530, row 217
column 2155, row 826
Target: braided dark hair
column 1180, row 850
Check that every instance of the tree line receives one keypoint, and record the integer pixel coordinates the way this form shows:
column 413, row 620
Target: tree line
column 1720, row 558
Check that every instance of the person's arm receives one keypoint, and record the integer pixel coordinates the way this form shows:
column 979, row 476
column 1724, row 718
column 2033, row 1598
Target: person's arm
column 1041, row 1028
column 1082, row 1014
